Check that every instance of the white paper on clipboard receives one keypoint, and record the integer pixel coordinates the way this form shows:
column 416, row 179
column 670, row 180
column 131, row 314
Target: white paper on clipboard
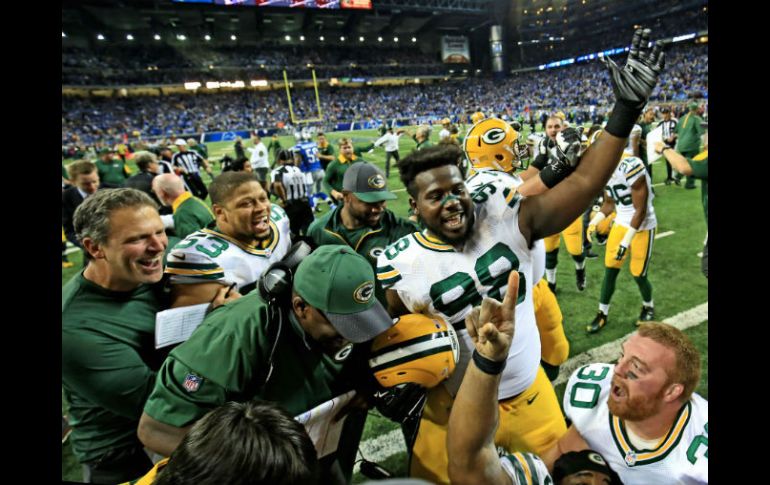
column 177, row 324
column 318, row 423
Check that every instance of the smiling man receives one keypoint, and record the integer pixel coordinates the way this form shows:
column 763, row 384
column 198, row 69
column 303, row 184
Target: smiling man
column 291, row 348
column 642, row 414
column 108, row 322
column 363, row 222
column 250, row 234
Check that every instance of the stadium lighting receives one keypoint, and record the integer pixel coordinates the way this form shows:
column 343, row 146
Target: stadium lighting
column 288, row 37
column 207, row 37
column 129, row 37
column 414, row 39
column 99, row 37
column 342, row 38
column 212, row 85
column 302, row 38
column 63, row 35
column 192, row 86
column 181, row 37
column 259, row 82
column 233, row 37
column 360, row 39
column 395, row 39
column 321, row 38
column 379, row 39
column 156, row 37
column 680, row 38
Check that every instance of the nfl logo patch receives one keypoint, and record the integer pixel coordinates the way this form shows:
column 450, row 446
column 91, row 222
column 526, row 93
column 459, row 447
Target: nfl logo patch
column 192, row 382
column 630, row 458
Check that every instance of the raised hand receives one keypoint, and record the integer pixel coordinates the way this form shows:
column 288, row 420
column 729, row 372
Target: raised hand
column 491, row 326
column 633, row 84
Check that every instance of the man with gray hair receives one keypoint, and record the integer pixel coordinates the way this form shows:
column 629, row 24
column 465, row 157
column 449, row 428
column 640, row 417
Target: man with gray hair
column 108, row 323
column 422, row 137
column 189, row 212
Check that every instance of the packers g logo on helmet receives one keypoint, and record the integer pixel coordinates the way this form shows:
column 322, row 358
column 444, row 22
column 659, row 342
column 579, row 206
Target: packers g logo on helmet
column 417, row 349
column 477, row 116
column 491, row 143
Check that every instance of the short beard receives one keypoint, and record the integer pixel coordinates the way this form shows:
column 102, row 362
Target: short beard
column 459, row 240
column 637, row 409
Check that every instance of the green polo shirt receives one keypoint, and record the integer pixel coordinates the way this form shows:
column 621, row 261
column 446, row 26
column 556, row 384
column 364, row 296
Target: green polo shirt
column 336, row 169
column 190, row 214
column 700, row 170
column 689, row 132
column 108, row 363
column 328, row 150
column 367, row 241
column 228, row 358
column 423, row 144
column 112, row 173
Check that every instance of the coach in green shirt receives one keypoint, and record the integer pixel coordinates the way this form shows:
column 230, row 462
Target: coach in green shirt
column 294, row 350
column 363, row 222
column 689, row 132
column 335, row 171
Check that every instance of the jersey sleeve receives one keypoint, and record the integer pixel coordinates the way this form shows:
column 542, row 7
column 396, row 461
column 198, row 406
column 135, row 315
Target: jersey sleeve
column 387, row 271
column 699, row 166
column 586, row 388
column 189, row 263
column 633, row 169
column 281, row 219
column 526, row 469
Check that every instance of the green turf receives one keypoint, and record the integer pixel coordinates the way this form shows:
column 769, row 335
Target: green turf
column 674, row 273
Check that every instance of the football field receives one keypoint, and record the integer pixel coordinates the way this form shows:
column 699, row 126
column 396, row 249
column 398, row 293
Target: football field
column 680, row 291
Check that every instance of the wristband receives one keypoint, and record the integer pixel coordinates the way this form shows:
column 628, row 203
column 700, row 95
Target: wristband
column 599, row 217
column 664, row 149
column 628, row 237
column 622, row 120
column 488, row 366
column 552, row 176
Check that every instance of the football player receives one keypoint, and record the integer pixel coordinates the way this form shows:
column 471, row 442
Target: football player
column 573, row 234
column 308, row 161
column 469, row 246
column 250, row 234
column 629, row 194
column 642, row 414
column 493, row 151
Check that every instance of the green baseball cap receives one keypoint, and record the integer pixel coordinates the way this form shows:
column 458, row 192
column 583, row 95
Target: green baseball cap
column 367, row 182
column 339, row 282
column 693, row 105
column 105, row 150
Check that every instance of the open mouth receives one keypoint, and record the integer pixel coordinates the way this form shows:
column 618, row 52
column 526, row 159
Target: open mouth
column 262, row 224
column 150, row 265
column 454, row 222
column 618, row 392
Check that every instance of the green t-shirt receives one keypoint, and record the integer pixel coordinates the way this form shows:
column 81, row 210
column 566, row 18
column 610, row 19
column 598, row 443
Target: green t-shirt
column 423, row 144
column 689, row 131
column 700, row 170
column 369, row 242
column 112, row 173
column 335, row 171
column 108, row 363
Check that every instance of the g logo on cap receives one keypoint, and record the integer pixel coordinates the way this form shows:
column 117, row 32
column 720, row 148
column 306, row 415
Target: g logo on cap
column 493, row 136
column 376, row 181
column 364, row 292
column 597, row 458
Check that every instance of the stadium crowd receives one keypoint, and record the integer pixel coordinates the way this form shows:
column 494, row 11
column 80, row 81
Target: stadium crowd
column 581, row 88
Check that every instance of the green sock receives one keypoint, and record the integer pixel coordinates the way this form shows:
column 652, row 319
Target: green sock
column 645, row 287
column 608, row 285
column 552, row 259
column 580, row 261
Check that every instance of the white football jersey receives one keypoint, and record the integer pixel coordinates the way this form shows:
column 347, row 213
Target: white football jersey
column 636, row 133
column 431, row 277
column 628, row 171
column 208, row 255
column 682, row 456
column 478, row 178
column 526, row 469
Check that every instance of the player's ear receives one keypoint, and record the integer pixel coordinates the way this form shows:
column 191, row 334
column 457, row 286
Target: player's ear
column 673, row 392
column 413, row 206
column 218, row 211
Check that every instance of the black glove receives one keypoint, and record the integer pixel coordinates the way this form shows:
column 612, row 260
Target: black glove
column 567, row 149
column 633, row 84
column 400, row 403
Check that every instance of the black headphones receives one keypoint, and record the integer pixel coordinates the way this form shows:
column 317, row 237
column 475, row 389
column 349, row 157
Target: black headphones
column 276, row 281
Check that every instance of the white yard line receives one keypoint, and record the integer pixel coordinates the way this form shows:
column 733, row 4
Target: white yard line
column 399, row 190
column 664, row 234
column 382, row 447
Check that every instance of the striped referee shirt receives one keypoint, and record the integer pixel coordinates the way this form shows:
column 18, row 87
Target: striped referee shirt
column 188, row 160
column 669, row 128
column 293, row 180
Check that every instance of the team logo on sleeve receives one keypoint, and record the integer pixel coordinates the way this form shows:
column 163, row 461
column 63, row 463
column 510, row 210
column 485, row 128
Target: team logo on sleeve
column 364, row 292
column 374, row 253
column 376, row 181
column 344, row 353
column 192, row 382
